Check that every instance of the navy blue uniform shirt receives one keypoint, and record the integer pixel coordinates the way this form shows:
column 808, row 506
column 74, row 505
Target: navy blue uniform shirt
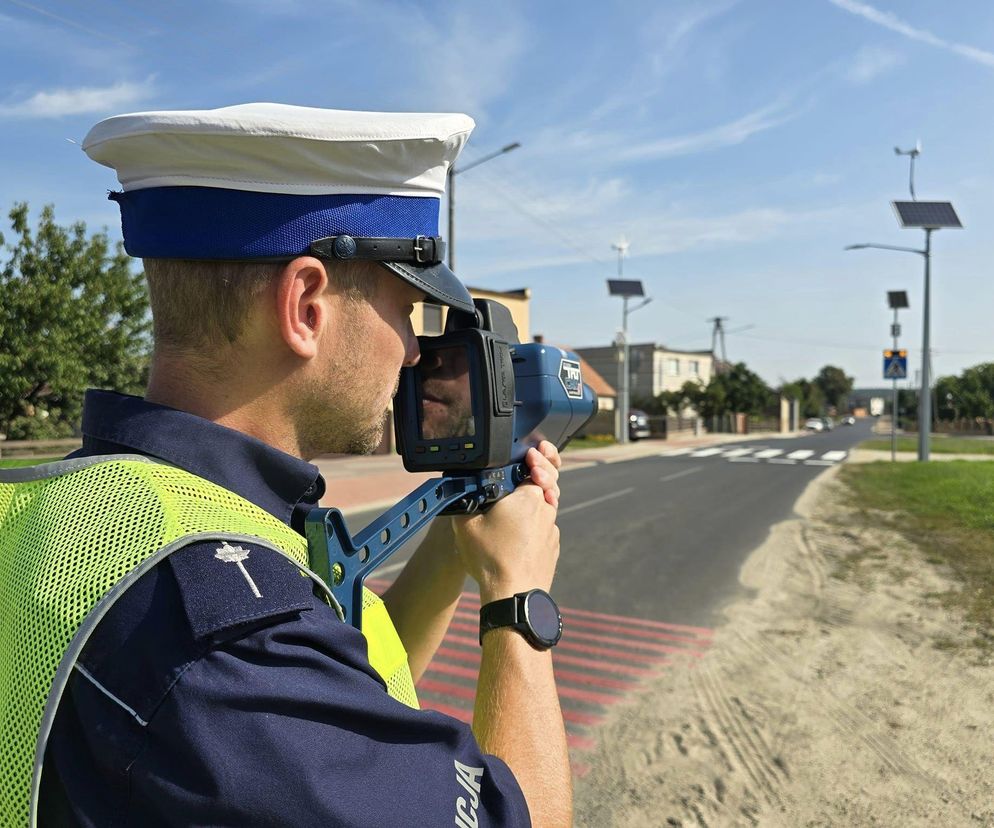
column 210, row 695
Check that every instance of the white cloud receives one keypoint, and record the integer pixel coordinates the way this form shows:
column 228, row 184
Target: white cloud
column 56, row 103
column 870, row 62
column 723, row 135
column 665, row 38
column 895, row 24
column 459, row 61
column 476, row 63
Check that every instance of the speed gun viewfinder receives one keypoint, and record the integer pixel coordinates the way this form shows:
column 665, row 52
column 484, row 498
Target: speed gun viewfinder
column 478, row 399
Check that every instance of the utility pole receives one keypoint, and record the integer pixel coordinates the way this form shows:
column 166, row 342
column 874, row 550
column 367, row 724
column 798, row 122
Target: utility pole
column 718, row 334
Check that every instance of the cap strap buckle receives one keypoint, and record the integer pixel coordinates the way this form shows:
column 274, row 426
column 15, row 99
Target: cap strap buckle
column 421, row 250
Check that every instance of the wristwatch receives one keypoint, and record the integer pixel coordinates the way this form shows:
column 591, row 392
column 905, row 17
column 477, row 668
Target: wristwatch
column 533, row 614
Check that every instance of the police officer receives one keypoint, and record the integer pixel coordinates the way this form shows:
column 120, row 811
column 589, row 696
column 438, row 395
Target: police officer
column 178, row 663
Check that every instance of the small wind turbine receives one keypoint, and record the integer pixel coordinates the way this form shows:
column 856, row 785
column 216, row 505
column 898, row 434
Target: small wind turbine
column 913, row 154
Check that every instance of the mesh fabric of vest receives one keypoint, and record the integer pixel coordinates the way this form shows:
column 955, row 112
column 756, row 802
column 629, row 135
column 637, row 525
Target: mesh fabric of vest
column 75, row 535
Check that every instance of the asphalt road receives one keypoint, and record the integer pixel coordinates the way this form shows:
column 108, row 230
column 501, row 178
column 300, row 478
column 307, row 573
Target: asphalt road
column 664, row 537
column 670, row 548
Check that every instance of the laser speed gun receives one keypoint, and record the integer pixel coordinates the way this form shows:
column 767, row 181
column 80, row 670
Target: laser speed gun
column 472, row 407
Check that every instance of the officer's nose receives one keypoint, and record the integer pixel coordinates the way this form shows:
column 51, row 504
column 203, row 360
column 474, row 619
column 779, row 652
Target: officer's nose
column 412, row 353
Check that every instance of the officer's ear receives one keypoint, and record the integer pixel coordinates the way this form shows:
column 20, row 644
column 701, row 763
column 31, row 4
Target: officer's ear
column 302, row 304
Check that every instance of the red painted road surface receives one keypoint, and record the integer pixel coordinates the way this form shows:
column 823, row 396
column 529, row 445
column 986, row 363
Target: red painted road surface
column 600, row 660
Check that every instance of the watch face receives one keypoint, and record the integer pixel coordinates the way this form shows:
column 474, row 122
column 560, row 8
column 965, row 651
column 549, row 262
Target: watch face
column 543, row 616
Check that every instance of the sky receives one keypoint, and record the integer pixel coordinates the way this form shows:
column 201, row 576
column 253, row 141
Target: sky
column 738, row 145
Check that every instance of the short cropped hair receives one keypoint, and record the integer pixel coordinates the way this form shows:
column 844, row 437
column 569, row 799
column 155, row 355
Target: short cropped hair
column 204, row 304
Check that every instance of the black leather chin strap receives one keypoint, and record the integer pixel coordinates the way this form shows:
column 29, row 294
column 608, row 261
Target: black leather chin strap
column 421, row 250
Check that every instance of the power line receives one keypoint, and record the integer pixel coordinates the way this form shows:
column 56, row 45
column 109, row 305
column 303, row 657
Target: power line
column 515, row 203
column 841, row 346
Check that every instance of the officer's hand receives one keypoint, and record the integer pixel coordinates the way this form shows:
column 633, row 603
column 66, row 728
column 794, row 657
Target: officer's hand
column 543, row 465
column 513, row 547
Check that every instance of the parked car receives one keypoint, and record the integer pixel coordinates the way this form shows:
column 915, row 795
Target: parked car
column 829, row 425
column 638, row 424
column 814, row 424
column 848, row 421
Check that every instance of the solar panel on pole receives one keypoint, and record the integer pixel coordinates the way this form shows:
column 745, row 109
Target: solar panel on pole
column 930, row 215
column 625, row 287
column 897, row 299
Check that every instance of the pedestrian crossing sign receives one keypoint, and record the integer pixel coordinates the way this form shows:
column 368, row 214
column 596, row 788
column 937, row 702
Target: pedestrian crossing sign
column 895, row 364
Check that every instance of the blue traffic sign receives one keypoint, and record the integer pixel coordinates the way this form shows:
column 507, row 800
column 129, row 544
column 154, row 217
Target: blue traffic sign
column 895, row 364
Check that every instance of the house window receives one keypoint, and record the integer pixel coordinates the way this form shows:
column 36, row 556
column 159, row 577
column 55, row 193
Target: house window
column 695, row 367
column 432, row 319
column 673, row 367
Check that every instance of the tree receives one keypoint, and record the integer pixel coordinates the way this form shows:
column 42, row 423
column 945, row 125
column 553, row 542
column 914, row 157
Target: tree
column 974, row 395
column 72, row 315
column 834, row 385
column 736, row 390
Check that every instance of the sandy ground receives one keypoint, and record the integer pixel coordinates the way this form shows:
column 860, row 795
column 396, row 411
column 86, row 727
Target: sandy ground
column 823, row 702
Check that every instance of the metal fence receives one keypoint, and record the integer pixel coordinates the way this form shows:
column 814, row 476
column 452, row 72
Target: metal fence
column 963, row 428
column 38, row 448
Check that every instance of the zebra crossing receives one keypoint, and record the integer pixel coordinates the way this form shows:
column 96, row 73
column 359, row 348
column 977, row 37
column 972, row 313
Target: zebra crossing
column 601, row 661
column 761, row 454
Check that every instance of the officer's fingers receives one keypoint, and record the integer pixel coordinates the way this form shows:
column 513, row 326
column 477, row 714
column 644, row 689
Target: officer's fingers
column 552, row 496
column 542, row 471
column 551, row 453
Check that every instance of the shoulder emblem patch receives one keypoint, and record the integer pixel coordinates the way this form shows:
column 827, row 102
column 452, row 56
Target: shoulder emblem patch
column 236, row 555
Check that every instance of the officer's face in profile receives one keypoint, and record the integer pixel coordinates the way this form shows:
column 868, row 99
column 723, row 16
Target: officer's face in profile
column 364, row 342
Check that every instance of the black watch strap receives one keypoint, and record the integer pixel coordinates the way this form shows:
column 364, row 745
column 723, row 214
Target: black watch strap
column 497, row 614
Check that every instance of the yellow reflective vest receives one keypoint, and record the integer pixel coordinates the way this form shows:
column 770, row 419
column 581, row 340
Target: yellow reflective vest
column 74, row 535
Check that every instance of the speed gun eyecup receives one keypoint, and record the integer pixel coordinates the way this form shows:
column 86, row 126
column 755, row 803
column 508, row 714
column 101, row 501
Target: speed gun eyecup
column 478, row 399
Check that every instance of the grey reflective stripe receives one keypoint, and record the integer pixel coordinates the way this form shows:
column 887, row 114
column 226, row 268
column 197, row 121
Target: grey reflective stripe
column 89, row 677
column 26, row 474
column 103, row 606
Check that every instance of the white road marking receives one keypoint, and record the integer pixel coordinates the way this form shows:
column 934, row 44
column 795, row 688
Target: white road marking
column 819, row 462
column 708, row 452
column 766, row 455
column 739, row 452
column 800, row 454
column 683, row 473
column 675, row 452
column 834, row 455
column 782, row 461
column 742, row 460
column 601, row 499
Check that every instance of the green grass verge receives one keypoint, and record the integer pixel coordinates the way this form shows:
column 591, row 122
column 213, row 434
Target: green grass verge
column 595, row 441
column 939, row 445
column 18, row 462
column 947, row 510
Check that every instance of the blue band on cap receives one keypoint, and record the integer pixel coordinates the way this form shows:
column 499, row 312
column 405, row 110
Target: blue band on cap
column 214, row 223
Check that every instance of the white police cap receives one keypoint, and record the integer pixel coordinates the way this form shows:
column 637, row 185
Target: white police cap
column 272, row 181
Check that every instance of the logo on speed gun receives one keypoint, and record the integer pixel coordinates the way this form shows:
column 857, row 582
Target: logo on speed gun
column 569, row 376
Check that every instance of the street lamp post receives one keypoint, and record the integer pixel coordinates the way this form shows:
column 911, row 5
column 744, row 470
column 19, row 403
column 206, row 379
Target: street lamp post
column 626, row 289
column 929, row 216
column 451, row 188
column 624, row 376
